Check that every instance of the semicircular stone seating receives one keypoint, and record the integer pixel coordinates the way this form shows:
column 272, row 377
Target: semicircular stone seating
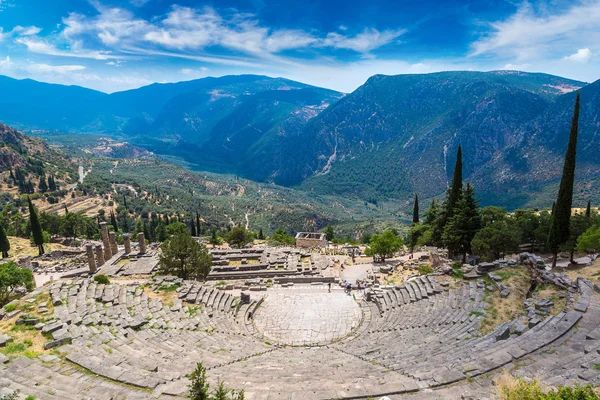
column 127, row 341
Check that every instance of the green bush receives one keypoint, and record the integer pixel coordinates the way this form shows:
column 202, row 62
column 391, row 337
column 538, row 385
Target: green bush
column 425, row 269
column 102, row 279
column 458, row 273
column 456, row 265
column 10, row 307
column 509, row 388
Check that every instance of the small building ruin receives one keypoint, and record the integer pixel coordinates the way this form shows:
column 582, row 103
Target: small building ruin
column 308, row 240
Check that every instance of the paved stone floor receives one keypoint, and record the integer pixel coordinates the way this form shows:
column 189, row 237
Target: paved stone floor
column 297, row 318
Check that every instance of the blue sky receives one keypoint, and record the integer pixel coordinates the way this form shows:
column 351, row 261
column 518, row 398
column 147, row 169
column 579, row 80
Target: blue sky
column 116, row 45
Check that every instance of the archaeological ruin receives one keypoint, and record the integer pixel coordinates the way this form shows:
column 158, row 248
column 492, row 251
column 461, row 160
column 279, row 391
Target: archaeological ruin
column 287, row 323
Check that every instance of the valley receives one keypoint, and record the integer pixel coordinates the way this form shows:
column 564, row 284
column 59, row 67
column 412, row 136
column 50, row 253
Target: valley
column 372, row 145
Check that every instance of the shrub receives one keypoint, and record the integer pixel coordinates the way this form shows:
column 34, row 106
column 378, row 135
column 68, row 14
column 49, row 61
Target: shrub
column 456, row 265
column 425, row 269
column 102, row 279
column 510, row 388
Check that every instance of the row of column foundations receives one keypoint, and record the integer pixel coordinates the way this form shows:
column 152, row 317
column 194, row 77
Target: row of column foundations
column 98, row 254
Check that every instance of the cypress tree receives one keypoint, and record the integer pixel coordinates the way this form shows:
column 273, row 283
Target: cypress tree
column 4, row 243
column 193, row 228
column 36, row 228
column 553, row 205
column 43, row 186
column 125, row 202
column 588, row 210
column 456, row 187
column 261, row 235
column 146, row 231
column 464, row 224
column 416, row 210
column 199, row 225
column 66, row 210
column 559, row 229
column 113, row 221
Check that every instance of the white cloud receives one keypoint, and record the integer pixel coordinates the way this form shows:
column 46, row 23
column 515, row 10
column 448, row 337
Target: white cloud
column 188, row 31
column 195, row 71
column 582, row 56
column 26, row 30
column 6, row 63
column 41, row 47
column 364, row 42
column 532, row 33
column 58, row 69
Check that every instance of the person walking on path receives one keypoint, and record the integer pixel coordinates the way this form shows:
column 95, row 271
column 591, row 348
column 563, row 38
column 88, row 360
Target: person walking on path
column 329, row 287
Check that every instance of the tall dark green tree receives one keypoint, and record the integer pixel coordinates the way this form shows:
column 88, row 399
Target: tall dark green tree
column 464, row 224
column 199, row 225
column 4, row 243
column 559, row 230
column 416, row 210
column 588, row 210
column 36, row 228
column 261, row 235
column 329, row 232
column 43, row 186
column 113, row 221
column 456, row 185
column 193, row 228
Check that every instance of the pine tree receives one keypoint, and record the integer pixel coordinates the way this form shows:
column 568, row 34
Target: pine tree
column 416, row 210
column 588, row 210
column 261, row 235
column 36, row 228
column 464, row 224
column 4, row 243
column 559, row 230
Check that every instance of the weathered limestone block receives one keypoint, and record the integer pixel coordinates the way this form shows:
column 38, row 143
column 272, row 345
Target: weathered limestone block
column 112, row 237
column 105, row 241
column 142, row 242
column 127, row 243
column 99, row 256
column 89, row 249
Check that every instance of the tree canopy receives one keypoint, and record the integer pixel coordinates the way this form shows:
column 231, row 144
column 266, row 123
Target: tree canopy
column 13, row 277
column 384, row 245
column 184, row 257
column 239, row 237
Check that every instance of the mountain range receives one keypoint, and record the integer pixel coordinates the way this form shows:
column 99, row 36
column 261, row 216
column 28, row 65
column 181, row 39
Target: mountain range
column 392, row 137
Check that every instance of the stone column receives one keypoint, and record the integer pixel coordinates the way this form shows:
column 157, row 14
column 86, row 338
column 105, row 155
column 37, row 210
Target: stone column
column 113, row 243
column 142, row 242
column 89, row 249
column 99, row 256
column 127, row 243
column 105, row 241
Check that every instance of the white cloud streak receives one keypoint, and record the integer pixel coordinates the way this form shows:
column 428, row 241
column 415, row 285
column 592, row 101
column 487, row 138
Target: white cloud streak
column 531, row 33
